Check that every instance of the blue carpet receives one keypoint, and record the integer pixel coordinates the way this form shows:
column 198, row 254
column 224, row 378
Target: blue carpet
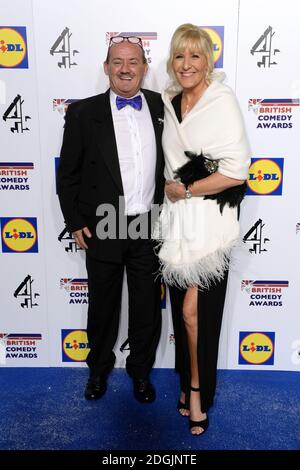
column 44, row 408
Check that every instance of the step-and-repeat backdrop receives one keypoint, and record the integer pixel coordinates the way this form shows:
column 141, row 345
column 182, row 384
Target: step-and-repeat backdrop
column 51, row 54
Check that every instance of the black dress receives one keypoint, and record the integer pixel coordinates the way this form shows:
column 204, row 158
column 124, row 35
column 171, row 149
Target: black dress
column 210, row 312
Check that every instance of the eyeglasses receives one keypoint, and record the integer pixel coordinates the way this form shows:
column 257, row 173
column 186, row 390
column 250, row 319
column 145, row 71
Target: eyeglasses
column 131, row 39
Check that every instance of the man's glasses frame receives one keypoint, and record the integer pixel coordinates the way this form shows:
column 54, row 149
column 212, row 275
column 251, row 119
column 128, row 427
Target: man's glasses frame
column 131, row 39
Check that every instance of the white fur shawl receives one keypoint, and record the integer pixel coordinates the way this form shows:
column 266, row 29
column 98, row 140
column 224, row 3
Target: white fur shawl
column 196, row 239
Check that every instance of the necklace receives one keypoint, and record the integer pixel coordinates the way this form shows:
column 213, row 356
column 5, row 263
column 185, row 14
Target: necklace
column 187, row 109
column 189, row 105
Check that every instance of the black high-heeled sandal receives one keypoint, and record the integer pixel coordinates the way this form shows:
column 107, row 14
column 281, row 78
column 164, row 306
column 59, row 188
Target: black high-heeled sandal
column 201, row 424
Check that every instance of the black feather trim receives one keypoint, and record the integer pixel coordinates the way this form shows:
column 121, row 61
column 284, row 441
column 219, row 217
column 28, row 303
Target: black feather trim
column 199, row 167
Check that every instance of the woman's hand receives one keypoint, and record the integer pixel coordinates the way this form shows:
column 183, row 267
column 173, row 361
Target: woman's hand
column 174, row 191
column 79, row 239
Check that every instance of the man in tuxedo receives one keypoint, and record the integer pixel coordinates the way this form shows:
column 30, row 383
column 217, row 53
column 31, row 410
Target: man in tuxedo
column 111, row 157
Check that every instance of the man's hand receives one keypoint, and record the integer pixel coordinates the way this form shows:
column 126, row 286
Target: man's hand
column 78, row 237
column 174, row 190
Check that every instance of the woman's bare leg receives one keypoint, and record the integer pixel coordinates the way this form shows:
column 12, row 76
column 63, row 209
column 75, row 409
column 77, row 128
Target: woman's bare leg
column 190, row 316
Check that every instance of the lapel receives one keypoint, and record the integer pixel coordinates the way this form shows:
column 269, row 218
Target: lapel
column 106, row 139
column 157, row 117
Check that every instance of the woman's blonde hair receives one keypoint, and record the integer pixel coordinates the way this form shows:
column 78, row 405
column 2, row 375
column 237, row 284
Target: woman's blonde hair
column 192, row 37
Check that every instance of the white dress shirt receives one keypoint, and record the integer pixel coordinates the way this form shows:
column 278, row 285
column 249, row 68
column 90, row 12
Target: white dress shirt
column 136, row 147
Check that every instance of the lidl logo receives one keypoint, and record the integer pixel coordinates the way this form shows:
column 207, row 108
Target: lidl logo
column 13, row 47
column 265, row 177
column 75, row 346
column 19, row 235
column 216, row 34
column 256, row 348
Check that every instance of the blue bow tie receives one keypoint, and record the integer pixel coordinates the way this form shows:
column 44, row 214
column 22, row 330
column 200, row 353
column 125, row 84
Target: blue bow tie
column 135, row 102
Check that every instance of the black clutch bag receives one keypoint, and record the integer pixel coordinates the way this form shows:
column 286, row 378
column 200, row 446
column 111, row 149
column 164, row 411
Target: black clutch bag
column 199, row 167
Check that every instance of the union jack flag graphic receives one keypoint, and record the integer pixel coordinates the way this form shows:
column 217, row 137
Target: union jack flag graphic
column 20, row 336
column 16, row 166
column 256, row 103
column 111, row 35
column 247, row 285
column 67, row 283
column 61, row 104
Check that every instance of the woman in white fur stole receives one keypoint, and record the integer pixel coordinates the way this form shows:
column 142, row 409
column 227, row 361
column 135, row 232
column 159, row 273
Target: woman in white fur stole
column 198, row 226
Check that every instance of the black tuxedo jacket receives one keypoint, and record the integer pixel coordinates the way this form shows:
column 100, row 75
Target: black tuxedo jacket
column 89, row 172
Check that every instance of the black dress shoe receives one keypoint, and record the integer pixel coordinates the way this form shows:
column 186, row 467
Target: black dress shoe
column 143, row 390
column 95, row 388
